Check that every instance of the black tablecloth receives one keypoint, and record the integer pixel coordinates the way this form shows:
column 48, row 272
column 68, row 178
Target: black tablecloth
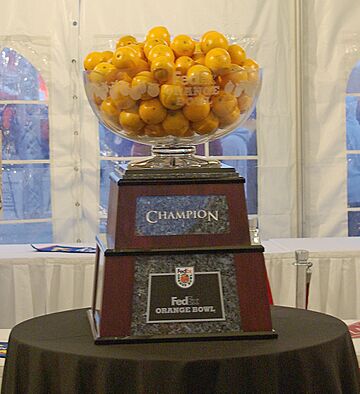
column 55, row 354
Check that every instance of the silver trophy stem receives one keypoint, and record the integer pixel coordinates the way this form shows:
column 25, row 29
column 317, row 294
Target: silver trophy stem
column 174, row 157
column 303, row 275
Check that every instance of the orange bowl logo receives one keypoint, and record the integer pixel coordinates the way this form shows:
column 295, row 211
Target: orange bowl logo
column 184, row 277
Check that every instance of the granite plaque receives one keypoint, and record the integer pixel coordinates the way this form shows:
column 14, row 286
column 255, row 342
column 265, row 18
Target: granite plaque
column 185, row 296
column 180, row 215
column 147, row 266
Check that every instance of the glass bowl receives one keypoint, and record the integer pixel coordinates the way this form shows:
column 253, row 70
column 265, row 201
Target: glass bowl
column 172, row 113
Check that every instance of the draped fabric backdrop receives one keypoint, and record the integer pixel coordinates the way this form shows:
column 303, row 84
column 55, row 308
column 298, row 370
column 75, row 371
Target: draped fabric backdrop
column 54, row 36
column 331, row 32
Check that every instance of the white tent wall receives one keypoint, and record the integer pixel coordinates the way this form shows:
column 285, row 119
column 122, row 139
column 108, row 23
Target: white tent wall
column 64, row 31
column 44, row 33
column 330, row 30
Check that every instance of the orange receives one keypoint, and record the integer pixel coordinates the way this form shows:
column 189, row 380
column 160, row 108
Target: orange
column 122, row 76
column 175, row 123
column 244, row 102
column 213, row 39
column 207, row 125
column 163, row 69
column 138, row 49
column 149, row 44
column 199, row 75
column 92, row 59
column 107, row 55
column 183, row 45
column 124, row 58
column 140, row 85
column 199, row 58
column 119, row 93
column 124, row 102
column 152, row 111
column 108, row 107
column 126, row 40
column 197, row 49
column 159, row 32
column 252, row 68
column 236, row 75
column 237, row 54
column 198, row 108
column 130, row 121
column 172, row 96
column 250, row 64
column 147, row 74
column 205, row 34
column 189, row 133
column 160, row 51
column 223, row 104
column 230, row 118
column 140, row 65
column 183, row 63
column 154, row 130
column 218, row 61
column 102, row 72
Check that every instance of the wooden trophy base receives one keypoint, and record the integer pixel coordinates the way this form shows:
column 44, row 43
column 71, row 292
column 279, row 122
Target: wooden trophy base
column 177, row 264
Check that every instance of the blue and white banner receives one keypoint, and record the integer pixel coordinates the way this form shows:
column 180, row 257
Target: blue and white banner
column 65, row 249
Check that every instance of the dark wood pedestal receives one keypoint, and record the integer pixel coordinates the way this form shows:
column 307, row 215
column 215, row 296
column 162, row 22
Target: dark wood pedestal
column 177, row 263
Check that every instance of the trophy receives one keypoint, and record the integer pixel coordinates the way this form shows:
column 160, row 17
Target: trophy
column 176, row 262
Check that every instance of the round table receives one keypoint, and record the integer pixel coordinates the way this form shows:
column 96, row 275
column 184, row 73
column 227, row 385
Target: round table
column 55, row 354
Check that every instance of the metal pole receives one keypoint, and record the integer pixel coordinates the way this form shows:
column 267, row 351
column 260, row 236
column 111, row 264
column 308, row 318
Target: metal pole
column 299, row 108
column 254, row 231
column 303, row 273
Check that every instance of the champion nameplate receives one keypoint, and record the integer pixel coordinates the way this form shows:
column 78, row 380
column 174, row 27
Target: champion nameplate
column 156, row 216
column 178, row 215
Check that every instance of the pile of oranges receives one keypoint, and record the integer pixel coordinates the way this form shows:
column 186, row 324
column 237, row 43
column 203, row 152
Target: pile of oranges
column 180, row 87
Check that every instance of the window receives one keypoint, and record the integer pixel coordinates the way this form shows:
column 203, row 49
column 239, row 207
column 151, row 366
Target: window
column 24, row 126
column 114, row 150
column 353, row 150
